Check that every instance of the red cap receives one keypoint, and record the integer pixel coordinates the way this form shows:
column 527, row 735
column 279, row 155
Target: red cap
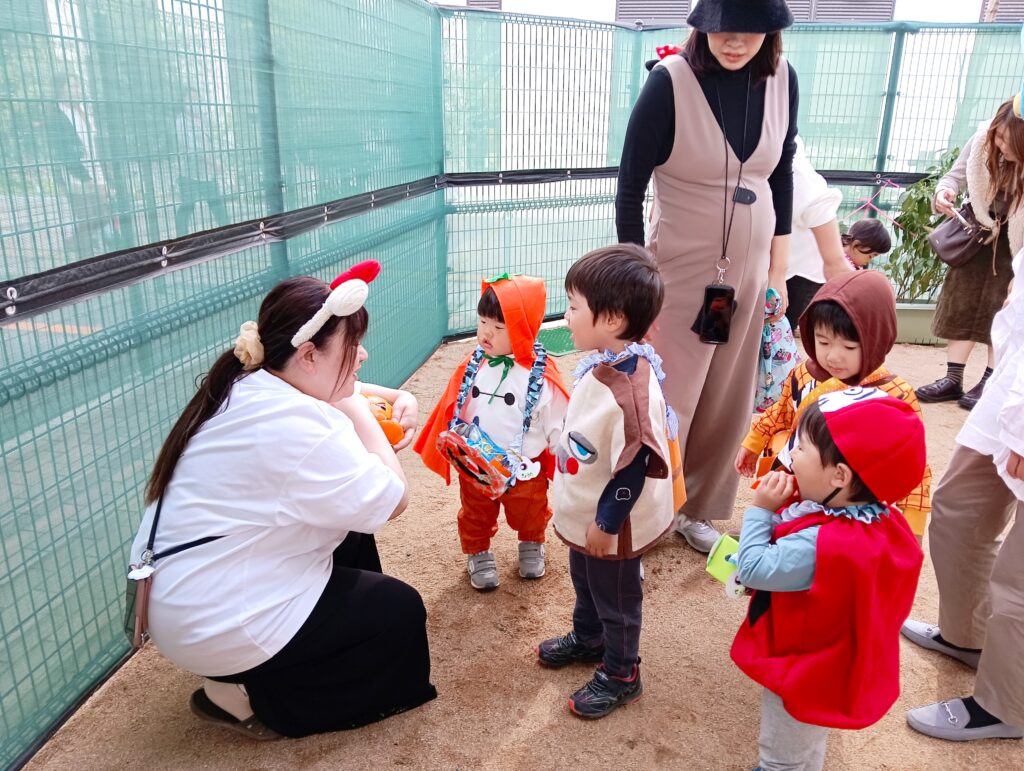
column 881, row 437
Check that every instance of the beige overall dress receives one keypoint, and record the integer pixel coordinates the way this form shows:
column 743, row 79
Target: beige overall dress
column 711, row 387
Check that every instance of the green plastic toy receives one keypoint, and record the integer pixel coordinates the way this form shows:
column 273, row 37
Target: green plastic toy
column 722, row 564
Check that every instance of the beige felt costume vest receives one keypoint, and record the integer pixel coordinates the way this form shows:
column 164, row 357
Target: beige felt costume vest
column 612, row 415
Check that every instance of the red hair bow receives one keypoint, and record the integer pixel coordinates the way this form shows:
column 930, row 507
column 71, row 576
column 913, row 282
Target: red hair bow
column 668, row 50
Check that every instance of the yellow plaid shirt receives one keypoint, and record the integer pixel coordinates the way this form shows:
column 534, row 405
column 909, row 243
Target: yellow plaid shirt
column 781, row 416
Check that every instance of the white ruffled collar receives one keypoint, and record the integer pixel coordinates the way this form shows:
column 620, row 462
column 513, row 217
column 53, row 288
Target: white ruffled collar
column 644, row 351
column 861, row 512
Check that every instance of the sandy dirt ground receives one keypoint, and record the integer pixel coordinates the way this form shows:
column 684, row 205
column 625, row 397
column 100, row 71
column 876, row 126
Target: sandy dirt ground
column 498, row 709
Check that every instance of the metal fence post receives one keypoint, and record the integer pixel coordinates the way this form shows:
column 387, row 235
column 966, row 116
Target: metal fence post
column 440, row 197
column 891, row 94
column 270, row 145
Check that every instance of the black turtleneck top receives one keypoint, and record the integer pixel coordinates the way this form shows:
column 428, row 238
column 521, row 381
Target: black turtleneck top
column 651, row 134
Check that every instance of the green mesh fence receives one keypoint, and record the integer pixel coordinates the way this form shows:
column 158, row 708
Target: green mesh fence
column 129, row 122
column 123, row 123
column 88, row 394
column 524, row 92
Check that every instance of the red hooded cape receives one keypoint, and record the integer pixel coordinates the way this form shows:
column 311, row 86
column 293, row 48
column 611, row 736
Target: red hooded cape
column 522, row 300
column 831, row 653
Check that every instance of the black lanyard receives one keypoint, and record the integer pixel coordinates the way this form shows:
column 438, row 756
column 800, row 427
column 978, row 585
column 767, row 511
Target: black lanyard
column 723, row 261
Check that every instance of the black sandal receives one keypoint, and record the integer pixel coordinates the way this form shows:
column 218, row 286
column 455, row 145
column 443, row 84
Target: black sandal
column 204, row 709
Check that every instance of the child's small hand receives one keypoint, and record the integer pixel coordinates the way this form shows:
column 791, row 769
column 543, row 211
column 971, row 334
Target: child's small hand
column 599, row 543
column 776, row 488
column 745, row 463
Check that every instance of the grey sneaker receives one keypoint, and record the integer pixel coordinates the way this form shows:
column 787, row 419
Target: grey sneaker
column 531, row 559
column 949, row 719
column 483, row 571
column 698, row 533
column 920, row 633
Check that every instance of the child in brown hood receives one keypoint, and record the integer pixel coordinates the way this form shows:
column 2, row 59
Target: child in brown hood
column 847, row 330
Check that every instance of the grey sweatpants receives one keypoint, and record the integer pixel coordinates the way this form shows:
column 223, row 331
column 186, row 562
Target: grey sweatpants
column 787, row 744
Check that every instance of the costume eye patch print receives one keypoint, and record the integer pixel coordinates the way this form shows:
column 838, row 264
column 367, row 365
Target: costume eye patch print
column 581, row 450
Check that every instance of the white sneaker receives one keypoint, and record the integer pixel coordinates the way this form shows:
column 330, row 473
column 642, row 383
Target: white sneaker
column 699, row 533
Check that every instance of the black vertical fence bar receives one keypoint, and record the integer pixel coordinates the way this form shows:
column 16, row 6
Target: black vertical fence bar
column 270, row 138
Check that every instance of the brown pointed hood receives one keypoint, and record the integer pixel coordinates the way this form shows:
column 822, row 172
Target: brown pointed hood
column 868, row 299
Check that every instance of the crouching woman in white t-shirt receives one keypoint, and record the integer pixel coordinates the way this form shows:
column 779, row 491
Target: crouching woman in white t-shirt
column 284, row 609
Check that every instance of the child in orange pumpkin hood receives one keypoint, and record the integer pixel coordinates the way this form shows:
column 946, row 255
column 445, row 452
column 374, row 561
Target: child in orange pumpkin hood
column 508, row 389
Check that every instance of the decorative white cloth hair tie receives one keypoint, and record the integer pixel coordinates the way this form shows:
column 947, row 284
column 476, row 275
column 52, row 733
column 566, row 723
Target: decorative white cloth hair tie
column 248, row 346
column 348, row 294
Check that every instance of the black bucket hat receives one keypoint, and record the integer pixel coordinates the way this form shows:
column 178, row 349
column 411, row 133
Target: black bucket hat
column 740, row 16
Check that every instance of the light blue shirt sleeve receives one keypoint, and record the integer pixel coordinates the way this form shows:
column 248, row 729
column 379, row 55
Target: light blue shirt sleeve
column 784, row 566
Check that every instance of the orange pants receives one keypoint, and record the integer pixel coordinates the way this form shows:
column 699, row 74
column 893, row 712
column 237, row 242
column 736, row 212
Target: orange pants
column 526, row 511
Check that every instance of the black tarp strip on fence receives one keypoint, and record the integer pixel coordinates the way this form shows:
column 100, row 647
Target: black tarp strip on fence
column 30, row 295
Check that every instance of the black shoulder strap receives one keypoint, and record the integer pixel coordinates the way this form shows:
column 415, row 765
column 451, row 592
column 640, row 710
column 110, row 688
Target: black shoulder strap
column 173, row 549
column 184, row 546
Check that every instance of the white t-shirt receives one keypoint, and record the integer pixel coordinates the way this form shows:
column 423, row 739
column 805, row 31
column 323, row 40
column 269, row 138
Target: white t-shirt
column 284, row 478
column 503, row 421
column 996, row 424
column 814, row 204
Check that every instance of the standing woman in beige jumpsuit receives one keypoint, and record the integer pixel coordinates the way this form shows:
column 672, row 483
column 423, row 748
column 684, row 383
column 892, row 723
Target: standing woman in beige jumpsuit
column 720, row 116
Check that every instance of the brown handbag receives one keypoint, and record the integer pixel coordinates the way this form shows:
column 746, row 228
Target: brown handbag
column 140, row 581
column 960, row 237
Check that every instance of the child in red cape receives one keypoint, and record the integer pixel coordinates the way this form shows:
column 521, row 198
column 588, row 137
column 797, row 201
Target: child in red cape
column 834, row 568
column 511, row 309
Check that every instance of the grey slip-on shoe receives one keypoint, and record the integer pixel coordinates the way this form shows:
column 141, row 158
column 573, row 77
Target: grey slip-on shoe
column 948, row 720
column 924, row 634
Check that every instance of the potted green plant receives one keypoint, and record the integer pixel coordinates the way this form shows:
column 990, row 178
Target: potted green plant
column 915, row 270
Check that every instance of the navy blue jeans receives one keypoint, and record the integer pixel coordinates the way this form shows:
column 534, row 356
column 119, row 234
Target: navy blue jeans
column 609, row 605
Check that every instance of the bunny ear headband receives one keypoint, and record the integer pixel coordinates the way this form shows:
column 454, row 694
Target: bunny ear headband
column 348, row 293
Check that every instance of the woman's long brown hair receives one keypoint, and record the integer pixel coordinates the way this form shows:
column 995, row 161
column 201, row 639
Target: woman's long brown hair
column 287, row 307
column 1007, row 176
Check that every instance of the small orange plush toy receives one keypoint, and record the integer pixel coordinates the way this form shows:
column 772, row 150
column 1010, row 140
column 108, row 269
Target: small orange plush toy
column 381, row 409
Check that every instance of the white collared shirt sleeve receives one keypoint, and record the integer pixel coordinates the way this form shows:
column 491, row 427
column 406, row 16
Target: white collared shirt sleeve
column 1011, row 413
column 342, row 486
